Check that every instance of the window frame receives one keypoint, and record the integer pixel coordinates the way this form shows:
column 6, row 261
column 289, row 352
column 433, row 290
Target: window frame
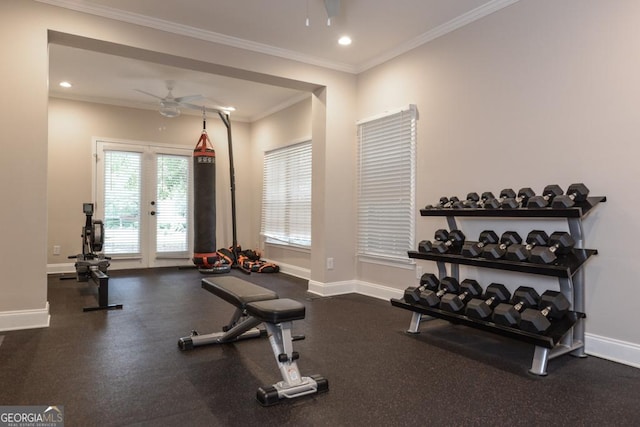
column 376, row 234
column 302, row 147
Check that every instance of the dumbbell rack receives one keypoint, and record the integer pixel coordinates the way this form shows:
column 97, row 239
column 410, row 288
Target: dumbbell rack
column 565, row 335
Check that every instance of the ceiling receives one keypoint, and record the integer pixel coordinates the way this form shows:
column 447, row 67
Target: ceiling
column 380, row 30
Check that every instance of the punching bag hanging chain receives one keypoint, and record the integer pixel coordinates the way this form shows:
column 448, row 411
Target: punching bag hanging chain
column 204, row 142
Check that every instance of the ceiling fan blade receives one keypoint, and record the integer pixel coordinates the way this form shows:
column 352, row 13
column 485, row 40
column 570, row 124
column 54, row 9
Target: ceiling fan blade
column 150, row 94
column 188, row 98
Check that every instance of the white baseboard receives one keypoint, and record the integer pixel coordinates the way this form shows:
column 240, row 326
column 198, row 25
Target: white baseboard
column 354, row 286
column 24, row 319
column 379, row 291
column 291, row 270
column 606, row 348
column 61, row 268
column 334, row 288
column 612, row 349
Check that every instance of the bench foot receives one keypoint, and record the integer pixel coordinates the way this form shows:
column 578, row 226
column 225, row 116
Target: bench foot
column 273, row 394
column 104, row 307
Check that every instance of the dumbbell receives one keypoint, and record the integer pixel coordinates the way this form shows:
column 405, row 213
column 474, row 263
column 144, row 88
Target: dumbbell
column 575, row 193
column 443, row 203
column 431, row 297
column 560, row 243
column 427, row 281
column 509, row 314
column 522, row 252
column 486, row 197
column 549, row 193
column 469, row 288
column 474, row 249
column 497, row 251
column 495, row 294
column 473, row 203
column 553, row 305
column 524, row 194
column 470, row 202
column 505, row 194
column 441, row 235
column 455, row 240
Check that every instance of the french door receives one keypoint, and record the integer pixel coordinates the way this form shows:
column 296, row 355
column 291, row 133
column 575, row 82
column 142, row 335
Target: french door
column 143, row 195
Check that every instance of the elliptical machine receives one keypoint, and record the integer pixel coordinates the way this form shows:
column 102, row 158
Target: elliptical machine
column 92, row 263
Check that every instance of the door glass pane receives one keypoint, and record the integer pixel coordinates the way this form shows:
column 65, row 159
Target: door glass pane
column 172, row 201
column 122, row 176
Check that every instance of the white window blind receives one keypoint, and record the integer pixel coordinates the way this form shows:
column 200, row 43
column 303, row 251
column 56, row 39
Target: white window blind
column 172, row 201
column 286, row 195
column 386, row 184
column 122, row 192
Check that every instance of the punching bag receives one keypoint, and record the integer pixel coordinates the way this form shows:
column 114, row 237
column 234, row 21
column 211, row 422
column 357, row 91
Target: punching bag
column 205, row 256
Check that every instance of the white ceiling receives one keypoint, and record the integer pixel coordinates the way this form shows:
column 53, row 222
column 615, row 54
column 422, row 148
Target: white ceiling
column 380, row 29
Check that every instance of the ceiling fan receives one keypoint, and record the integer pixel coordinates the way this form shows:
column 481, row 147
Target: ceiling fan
column 169, row 105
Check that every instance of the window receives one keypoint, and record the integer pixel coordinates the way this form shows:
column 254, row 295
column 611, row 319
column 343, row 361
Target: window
column 122, row 189
column 386, row 184
column 286, row 195
column 172, row 200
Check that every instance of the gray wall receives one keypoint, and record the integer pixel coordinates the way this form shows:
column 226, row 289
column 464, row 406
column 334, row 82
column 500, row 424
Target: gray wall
column 540, row 92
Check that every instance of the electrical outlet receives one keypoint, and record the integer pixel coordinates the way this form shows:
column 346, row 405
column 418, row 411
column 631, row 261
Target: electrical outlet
column 329, row 263
column 56, row 249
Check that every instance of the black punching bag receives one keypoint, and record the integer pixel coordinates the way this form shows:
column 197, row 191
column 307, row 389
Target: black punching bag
column 205, row 256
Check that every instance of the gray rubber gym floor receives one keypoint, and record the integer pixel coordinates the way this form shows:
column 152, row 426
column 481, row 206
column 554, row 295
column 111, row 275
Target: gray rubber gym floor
column 124, row 368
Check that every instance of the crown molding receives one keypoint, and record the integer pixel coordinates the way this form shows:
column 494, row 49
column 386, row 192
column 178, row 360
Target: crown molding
column 210, row 36
column 440, row 30
column 196, row 33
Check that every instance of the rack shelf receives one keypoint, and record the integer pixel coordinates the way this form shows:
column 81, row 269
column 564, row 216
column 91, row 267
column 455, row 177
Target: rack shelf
column 565, row 267
column 580, row 210
column 549, row 339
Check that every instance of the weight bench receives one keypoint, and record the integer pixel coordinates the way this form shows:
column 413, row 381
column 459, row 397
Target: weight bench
column 256, row 305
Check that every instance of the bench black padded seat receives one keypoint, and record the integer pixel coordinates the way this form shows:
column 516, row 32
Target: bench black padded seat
column 276, row 310
column 236, row 291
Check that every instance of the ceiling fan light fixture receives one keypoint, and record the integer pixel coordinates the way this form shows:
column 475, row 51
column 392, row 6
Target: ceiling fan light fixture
column 170, row 112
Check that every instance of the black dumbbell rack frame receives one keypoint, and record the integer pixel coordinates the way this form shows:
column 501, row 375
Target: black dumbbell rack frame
column 564, row 336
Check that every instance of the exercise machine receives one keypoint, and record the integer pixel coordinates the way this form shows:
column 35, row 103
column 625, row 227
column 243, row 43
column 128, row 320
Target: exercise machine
column 255, row 306
column 92, row 263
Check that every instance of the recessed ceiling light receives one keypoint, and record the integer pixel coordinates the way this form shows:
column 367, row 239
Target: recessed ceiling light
column 65, row 84
column 345, row 40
